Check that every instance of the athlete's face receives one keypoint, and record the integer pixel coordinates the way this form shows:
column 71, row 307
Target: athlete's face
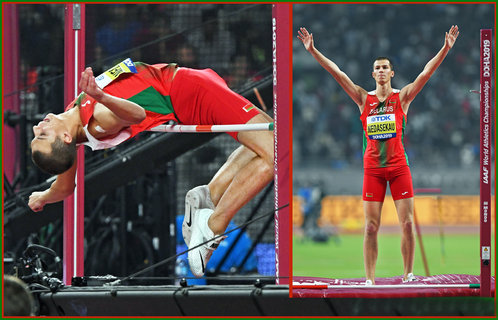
column 382, row 71
column 46, row 132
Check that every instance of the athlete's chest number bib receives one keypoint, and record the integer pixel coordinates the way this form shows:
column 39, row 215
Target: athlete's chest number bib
column 126, row 66
column 381, row 126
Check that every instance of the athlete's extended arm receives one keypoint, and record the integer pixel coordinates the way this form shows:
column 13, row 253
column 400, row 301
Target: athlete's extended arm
column 410, row 91
column 128, row 112
column 62, row 187
column 357, row 93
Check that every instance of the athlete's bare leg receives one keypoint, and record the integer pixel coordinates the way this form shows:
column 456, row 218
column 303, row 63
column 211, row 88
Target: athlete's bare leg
column 224, row 176
column 404, row 207
column 372, row 211
column 248, row 170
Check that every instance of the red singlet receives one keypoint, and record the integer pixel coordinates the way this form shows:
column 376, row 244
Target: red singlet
column 384, row 126
column 384, row 156
column 192, row 97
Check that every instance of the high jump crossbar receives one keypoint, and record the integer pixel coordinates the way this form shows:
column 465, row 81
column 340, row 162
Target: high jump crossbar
column 485, row 72
column 213, row 128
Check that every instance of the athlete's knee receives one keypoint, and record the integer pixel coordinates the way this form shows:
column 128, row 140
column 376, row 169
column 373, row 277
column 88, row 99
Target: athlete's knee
column 265, row 170
column 371, row 228
column 269, row 151
column 407, row 226
column 241, row 154
column 233, row 155
column 260, row 142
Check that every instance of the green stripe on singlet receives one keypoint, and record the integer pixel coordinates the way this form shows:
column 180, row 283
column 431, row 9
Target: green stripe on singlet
column 79, row 98
column 402, row 140
column 150, row 99
column 365, row 142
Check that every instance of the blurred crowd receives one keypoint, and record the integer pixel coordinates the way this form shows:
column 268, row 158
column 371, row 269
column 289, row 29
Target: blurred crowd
column 226, row 38
column 443, row 121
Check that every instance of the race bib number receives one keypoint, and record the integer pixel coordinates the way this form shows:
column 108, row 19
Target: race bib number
column 381, row 126
column 127, row 66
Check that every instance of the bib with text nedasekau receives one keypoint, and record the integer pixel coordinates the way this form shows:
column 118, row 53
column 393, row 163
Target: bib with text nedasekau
column 381, row 126
column 126, row 66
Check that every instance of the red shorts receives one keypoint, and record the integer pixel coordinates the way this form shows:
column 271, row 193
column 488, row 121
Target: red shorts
column 203, row 97
column 375, row 183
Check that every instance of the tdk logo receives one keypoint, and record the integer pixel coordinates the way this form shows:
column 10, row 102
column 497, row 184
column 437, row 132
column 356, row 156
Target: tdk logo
column 382, row 118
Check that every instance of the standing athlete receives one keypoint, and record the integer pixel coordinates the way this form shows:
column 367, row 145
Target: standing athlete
column 134, row 97
column 383, row 116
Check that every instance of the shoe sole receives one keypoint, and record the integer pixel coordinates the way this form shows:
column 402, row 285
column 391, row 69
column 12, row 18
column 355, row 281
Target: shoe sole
column 198, row 257
column 192, row 203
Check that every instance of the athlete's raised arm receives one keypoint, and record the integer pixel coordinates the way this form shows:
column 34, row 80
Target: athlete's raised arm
column 357, row 93
column 126, row 111
column 410, row 91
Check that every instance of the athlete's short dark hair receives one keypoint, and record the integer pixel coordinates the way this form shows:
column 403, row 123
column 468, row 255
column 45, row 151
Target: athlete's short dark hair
column 59, row 160
column 384, row 58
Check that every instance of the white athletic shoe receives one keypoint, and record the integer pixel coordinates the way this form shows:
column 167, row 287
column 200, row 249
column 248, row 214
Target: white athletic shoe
column 409, row 278
column 197, row 198
column 368, row 282
column 199, row 257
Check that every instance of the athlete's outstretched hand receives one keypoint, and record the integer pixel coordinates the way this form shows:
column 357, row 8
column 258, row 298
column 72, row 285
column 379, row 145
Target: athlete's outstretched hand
column 306, row 38
column 451, row 36
column 88, row 85
column 37, row 201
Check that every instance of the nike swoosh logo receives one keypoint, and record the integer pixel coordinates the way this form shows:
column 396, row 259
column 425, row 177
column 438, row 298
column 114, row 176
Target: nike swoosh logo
column 373, row 104
column 202, row 263
column 189, row 222
column 404, row 193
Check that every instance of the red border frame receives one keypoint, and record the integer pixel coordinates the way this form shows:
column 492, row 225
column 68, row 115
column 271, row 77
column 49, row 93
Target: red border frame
column 281, row 50
column 486, row 41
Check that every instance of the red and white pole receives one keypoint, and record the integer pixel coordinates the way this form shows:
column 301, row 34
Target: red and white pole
column 74, row 63
column 486, row 120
